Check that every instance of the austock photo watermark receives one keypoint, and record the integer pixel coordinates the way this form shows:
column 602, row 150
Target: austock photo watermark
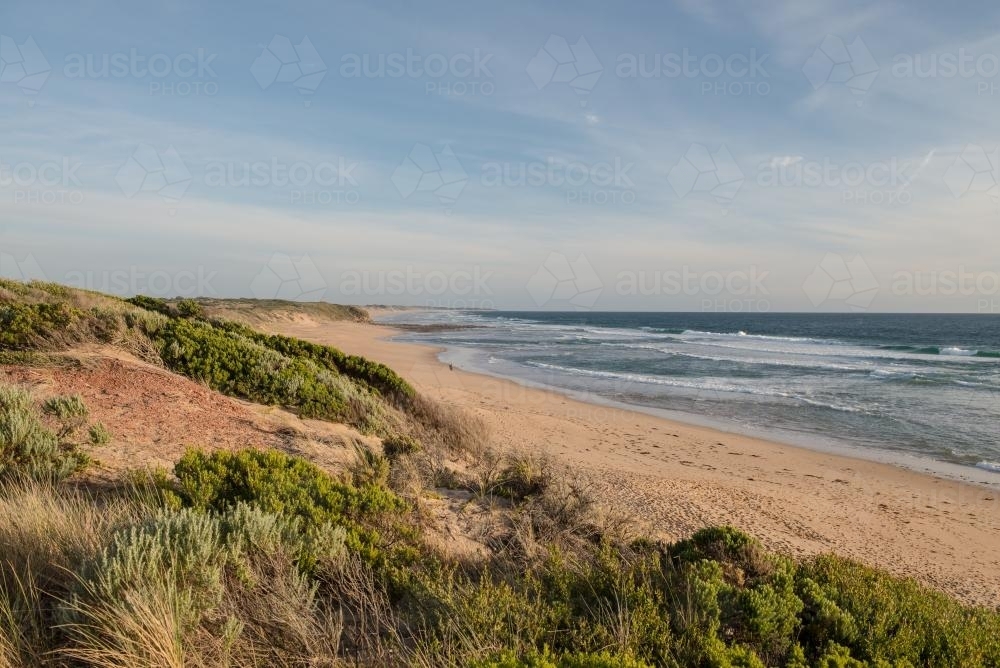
column 848, row 281
column 20, row 267
column 575, row 64
column 180, row 75
column 148, row 170
column 281, row 62
column 166, row 173
column 975, row 171
column 960, row 64
column 735, row 291
column 565, row 282
column 324, row 182
column 836, row 62
column 426, row 170
column 458, row 74
column 875, row 182
column 135, row 280
column 23, row 64
column 602, row 182
column 461, row 288
column 841, row 282
column 286, row 277
column 701, row 171
column 967, row 287
column 560, row 62
column 731, row 75
column 48, row 182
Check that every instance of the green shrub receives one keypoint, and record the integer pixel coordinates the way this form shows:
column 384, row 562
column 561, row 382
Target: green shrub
column 237, row 365
column 29, row 326
column 214, row 573
column 189, row 308
column 374, row 375
column 99, row 434
column 27, row 447
column 288, row 486
column 878, row 617
column 397, row 445
column 69, row 411
column 152, row 304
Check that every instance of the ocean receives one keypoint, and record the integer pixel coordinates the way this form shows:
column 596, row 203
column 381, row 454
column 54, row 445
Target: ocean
column 910, row 389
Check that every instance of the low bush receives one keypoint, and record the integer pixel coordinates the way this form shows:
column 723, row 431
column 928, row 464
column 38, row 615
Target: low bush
column 290, row 486
column 70, row 412
column 98, row 434
column 177, row 587
column 237, row 365
column 28, row 448
column 398, row 445
column 33, row 326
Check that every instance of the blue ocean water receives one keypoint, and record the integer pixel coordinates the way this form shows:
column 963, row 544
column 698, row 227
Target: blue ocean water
column 923, row 385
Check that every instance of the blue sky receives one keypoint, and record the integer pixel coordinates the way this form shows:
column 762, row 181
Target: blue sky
column 532, row 155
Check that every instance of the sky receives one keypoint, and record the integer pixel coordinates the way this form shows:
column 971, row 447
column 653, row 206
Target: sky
column 799, row 155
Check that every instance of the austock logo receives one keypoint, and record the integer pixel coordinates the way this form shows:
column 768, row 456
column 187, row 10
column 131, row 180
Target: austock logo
column 560, row 62
column 147, row 170
column 423, row 170
column 834, row 62
column 700, row 171
column 25, row 269
column 282, row 62
column 559, row 280
column 975, row 171
column 284, row 277
column 838, row 280
column 23, row 64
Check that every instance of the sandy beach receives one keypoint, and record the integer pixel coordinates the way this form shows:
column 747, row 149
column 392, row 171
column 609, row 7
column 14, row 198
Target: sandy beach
column 675, row 478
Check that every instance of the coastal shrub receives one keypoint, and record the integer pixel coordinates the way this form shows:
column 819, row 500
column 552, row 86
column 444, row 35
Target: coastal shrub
column 289, row 486
column 375, row 375
column 187, row 581
column 98, row 434
column 189, row 308
column 30, row 449
column 31, row 326
column 878, row 617
column 398, row 445
column 69, row 411
column 239, row 366
column 152, row 304
column 46, row 534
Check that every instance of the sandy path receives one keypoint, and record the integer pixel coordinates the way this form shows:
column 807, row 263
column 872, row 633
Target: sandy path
column 676, row 478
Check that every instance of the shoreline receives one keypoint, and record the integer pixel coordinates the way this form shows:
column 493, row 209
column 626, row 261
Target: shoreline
column 674, row 477
column 955, row 471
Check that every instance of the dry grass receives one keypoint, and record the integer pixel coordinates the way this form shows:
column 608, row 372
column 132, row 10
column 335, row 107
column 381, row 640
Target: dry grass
column 45, row 534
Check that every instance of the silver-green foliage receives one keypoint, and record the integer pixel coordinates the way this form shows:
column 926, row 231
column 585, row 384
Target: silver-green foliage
column 27, row 447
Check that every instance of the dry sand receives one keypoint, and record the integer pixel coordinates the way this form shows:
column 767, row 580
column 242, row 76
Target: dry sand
column 675, row 478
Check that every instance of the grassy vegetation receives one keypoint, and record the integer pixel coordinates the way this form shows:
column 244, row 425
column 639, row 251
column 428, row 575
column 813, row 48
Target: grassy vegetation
column 314, row 380
column 30, row 448
column 258, row 558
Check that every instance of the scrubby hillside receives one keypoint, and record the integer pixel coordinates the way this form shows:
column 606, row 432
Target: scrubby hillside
column 264, row 311
column 426, row 544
